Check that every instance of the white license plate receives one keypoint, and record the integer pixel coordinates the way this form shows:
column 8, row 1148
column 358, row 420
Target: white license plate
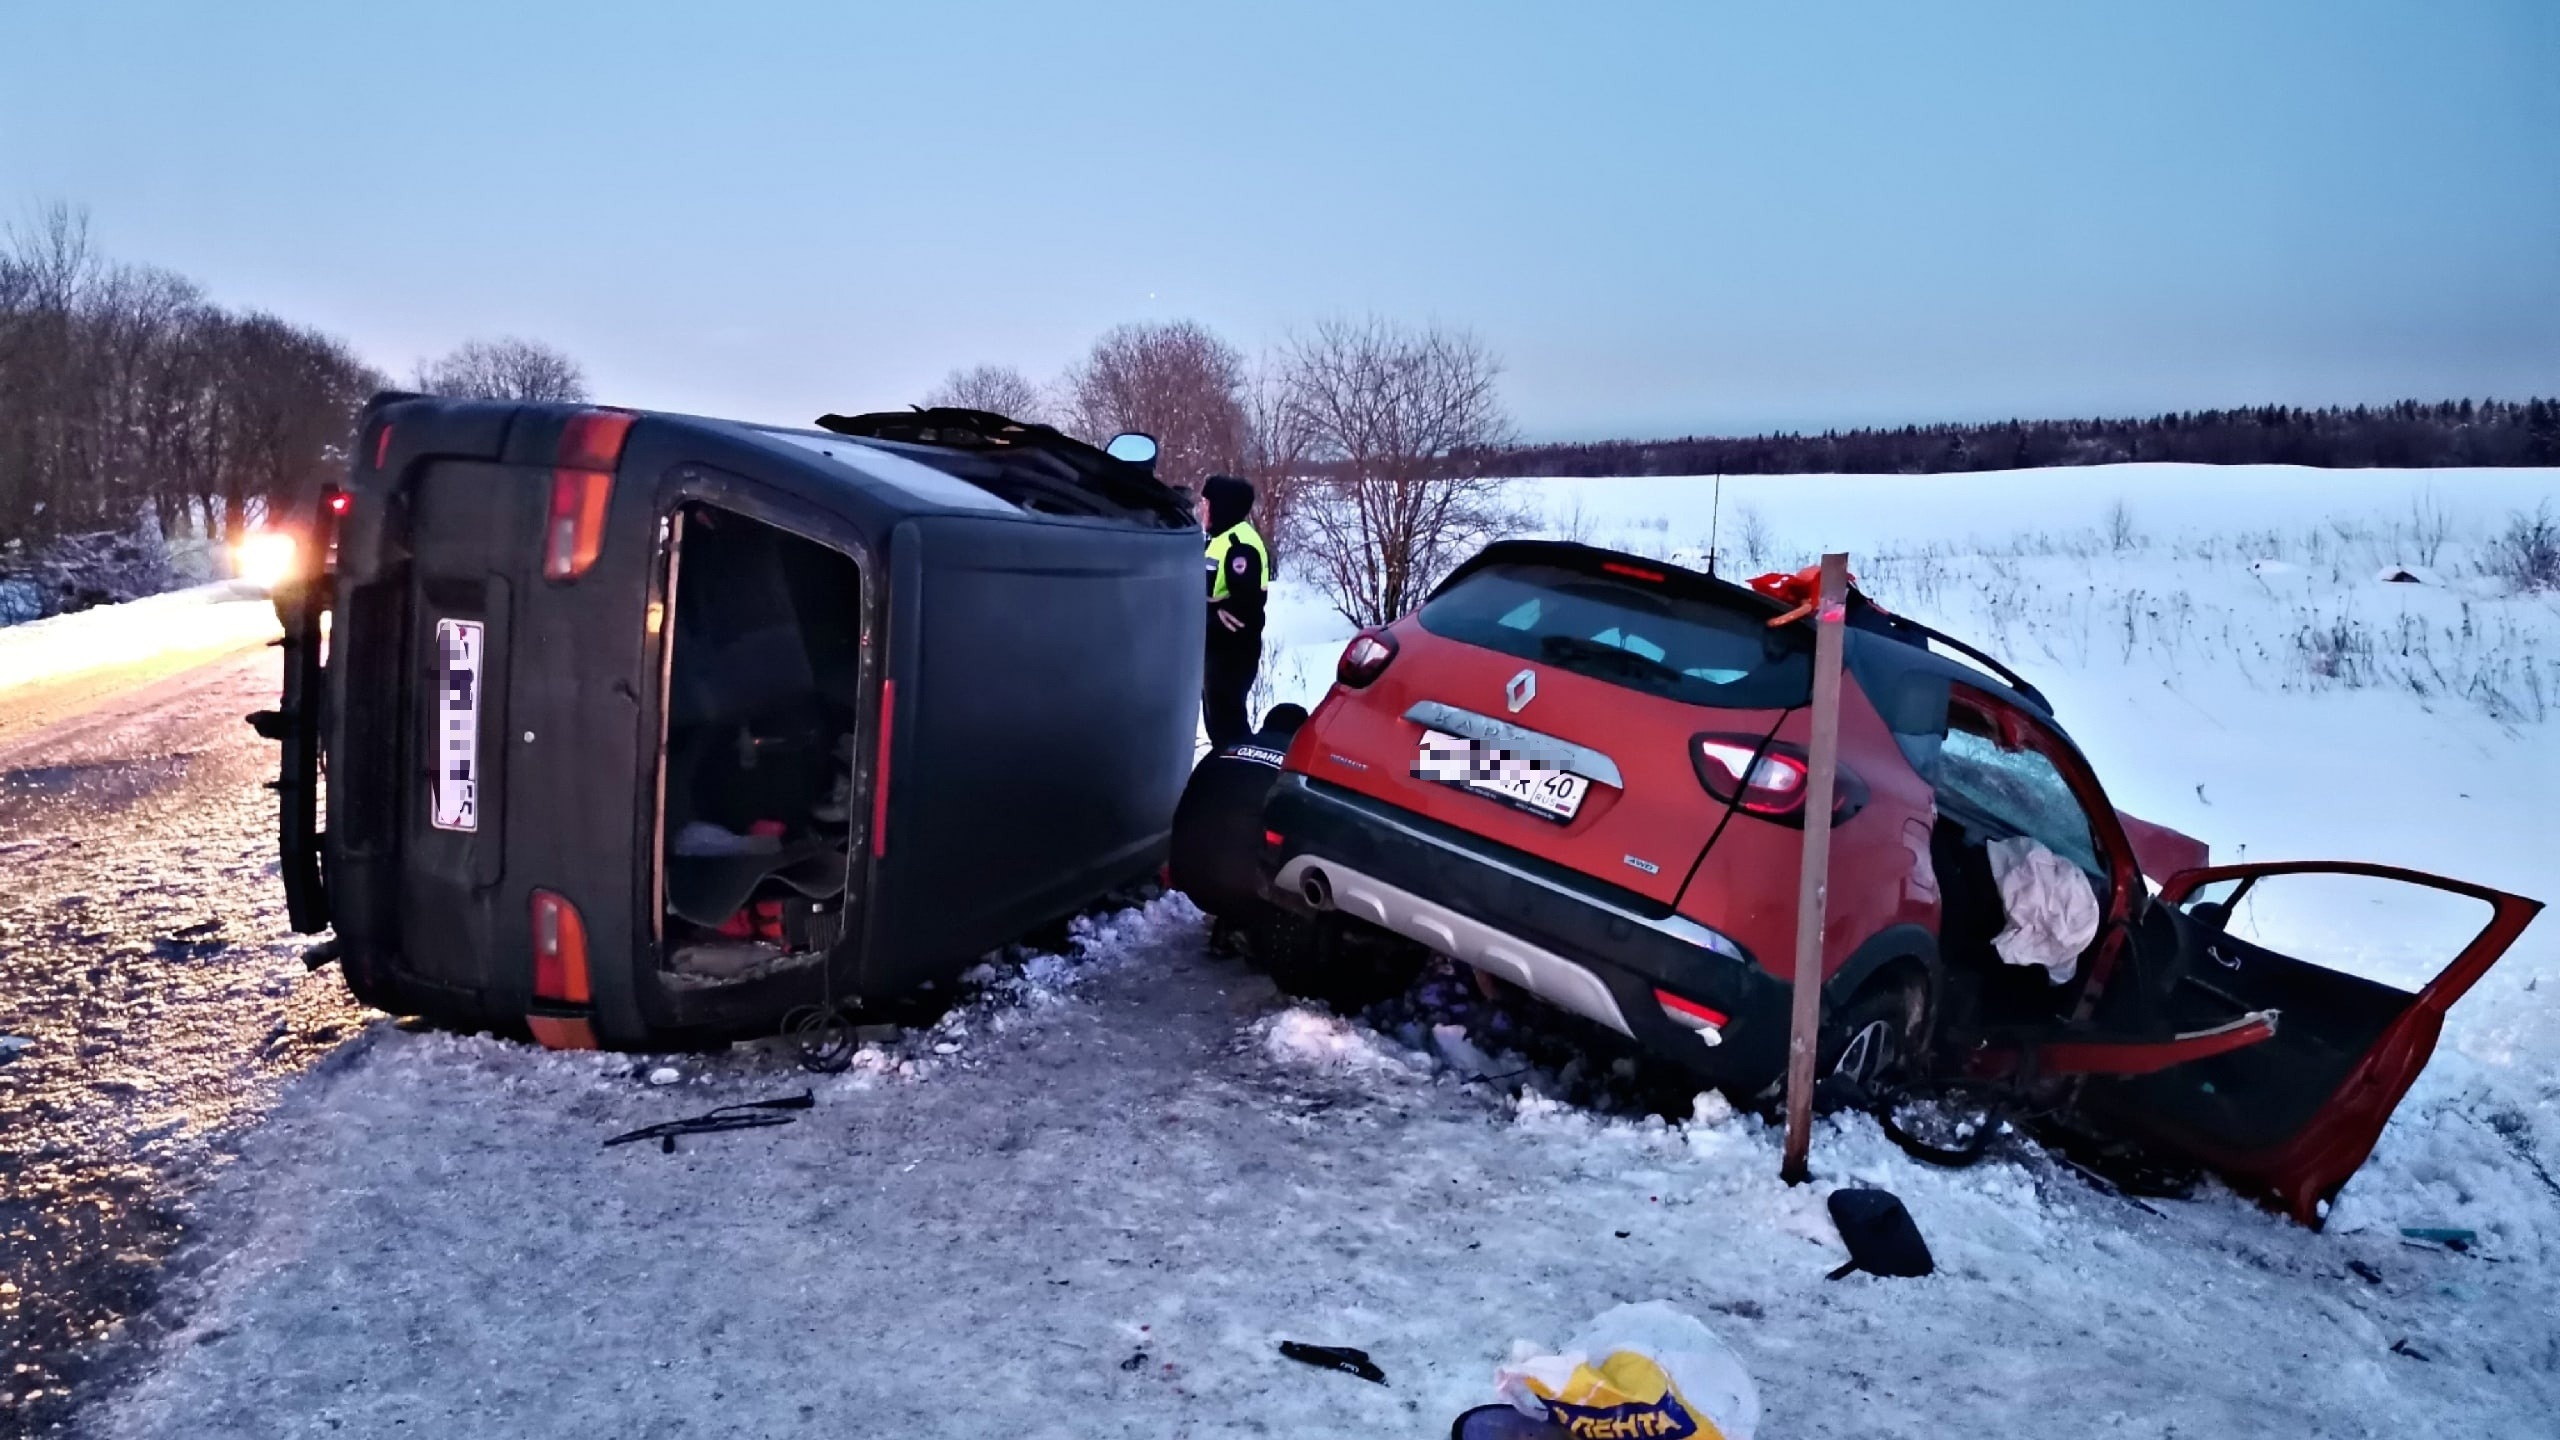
column 1456, row 760
column 458, row 650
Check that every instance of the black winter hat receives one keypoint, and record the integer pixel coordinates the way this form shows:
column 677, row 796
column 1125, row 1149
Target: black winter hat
column 1230, row 500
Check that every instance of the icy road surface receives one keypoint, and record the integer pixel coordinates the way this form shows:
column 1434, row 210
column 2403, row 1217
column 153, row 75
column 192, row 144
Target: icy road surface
column 1093, row 1203
column 142, row 959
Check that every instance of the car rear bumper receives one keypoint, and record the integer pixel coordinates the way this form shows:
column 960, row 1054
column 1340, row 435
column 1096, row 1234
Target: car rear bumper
column 1607, row 955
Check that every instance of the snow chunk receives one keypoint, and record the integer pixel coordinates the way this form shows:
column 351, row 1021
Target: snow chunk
column 1323, row 1041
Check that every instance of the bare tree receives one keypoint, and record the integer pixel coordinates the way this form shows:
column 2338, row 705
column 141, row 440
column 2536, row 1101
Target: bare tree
column 2120, row 532
column 1756, row 541
column 131, row 409
column 1399, row 417
column 1176, row 381
column 506, row 368
column 1278, row 440
column 997, row 388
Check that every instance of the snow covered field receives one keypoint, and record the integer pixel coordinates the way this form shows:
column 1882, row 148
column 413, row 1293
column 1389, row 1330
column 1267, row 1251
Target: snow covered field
column 1092, row 1201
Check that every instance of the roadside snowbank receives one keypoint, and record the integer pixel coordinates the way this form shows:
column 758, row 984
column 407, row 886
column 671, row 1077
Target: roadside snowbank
column 205, row 619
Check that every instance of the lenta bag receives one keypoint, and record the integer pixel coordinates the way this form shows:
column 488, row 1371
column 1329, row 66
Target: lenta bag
column 1638, row 1372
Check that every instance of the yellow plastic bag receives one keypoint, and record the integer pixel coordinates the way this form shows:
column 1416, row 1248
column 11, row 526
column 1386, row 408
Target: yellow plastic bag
column 1638, row 1372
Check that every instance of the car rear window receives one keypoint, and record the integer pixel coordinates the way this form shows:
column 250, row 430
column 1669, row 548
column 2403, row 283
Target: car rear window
column 1691, row 648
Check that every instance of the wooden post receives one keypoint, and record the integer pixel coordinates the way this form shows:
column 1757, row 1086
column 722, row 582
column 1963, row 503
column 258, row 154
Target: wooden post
column 1813, row 891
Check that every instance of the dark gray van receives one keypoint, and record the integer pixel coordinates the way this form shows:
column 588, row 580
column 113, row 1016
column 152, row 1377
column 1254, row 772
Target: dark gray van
column 635, row 729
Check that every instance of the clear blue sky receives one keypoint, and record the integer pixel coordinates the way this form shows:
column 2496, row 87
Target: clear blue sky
column 1709, row 215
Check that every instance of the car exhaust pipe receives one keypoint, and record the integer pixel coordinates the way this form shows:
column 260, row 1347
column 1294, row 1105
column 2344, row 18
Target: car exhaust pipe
column 1316, row 889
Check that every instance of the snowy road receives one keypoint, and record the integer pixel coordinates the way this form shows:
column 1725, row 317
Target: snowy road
column 142, row 953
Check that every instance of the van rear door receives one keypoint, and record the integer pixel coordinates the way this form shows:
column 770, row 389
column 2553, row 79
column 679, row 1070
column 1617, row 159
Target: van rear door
column 479, row 701
column 474, row 524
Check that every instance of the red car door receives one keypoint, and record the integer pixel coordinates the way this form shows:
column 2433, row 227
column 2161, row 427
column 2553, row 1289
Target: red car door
column 2323, row 1056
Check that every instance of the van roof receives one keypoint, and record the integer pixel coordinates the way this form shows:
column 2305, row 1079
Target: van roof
column 891, row 461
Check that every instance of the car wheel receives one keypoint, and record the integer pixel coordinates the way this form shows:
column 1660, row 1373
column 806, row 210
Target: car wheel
column 1868, row 1044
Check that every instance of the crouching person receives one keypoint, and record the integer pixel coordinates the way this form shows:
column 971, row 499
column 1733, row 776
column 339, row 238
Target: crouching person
column 1217, row 829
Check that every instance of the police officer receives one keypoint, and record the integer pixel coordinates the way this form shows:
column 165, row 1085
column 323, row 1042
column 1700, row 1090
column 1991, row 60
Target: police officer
column 1239, row 570
column 1217, row 829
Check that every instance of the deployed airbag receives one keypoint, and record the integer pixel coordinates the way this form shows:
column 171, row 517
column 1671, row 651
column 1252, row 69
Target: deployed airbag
column 2052, row 910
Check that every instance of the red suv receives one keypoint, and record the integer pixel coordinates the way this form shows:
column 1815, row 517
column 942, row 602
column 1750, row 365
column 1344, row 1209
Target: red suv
column 1583, row 772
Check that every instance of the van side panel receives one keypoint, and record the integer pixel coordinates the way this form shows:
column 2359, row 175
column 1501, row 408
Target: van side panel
column 1048, row 679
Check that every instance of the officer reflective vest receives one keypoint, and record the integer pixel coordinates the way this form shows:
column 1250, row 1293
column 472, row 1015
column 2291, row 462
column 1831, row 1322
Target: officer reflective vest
column 1240, row 533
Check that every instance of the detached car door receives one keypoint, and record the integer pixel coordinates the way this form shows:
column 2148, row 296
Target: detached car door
column 2292, row 1115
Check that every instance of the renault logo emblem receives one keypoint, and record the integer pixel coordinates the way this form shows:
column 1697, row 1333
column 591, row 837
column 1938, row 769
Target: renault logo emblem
column 1522, row 689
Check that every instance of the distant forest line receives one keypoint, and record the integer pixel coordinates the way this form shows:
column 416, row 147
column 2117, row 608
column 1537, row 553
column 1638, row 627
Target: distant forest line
column 2412, row 434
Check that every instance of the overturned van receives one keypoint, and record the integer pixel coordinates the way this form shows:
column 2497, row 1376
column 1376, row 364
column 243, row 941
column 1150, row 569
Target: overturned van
column 634, row 729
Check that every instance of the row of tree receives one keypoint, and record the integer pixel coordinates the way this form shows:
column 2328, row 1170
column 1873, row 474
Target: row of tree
column 2409, row 434
column 126, row 397
column 131, row 404
column 1367, row 441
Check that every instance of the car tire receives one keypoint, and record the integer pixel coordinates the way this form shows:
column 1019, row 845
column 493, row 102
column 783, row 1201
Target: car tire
column 1322, row 958
column 1870, row 1046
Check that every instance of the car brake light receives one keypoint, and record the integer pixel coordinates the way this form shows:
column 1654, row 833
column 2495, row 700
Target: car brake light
column 1365, row 658
column 1705, row 1021
column 1653, row 577
column 1768, row 778
column 581, row 486
column 559, row 950
column 338, row 502
column 381, row 447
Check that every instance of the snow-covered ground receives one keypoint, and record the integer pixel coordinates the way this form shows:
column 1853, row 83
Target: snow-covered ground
column 1092, row 1201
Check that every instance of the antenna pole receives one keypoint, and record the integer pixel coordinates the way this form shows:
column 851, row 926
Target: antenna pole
column 1715, row 524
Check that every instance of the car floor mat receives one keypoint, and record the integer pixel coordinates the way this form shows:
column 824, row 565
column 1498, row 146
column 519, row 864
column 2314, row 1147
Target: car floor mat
column 1882, row 1237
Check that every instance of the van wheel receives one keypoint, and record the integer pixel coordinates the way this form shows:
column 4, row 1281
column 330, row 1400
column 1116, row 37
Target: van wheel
column 1868, row 1047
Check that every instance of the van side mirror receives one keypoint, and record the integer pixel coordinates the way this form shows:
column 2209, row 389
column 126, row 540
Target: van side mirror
column 1134, row 446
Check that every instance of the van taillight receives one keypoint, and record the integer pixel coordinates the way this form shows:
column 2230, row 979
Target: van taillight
column 581, row 487
column 1365, row 658
column 559, row 950
column 1768, row 780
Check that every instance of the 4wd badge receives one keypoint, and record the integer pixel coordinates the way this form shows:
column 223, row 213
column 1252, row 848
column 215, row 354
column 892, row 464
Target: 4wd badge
column 1522, row 689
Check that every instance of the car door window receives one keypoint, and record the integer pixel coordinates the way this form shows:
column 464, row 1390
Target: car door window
column 2372, row 927
column 2019, row 790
